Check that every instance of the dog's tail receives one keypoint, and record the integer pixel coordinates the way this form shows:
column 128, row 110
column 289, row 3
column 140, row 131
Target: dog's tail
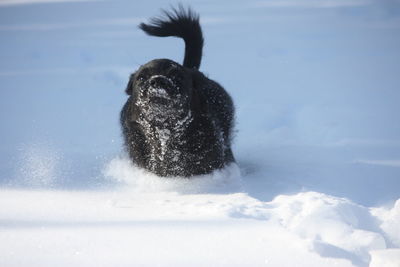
column 180, row 23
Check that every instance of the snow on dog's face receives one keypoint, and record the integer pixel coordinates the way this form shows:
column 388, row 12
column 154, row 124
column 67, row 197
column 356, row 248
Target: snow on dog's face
column 161, row 91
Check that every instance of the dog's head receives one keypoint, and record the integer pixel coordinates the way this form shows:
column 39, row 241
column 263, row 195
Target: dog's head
column 161, row 91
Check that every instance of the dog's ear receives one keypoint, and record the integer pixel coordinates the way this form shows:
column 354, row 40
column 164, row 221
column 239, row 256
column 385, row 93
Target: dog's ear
column 129, row 87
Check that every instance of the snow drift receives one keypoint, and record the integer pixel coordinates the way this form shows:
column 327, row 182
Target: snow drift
column 220, row 221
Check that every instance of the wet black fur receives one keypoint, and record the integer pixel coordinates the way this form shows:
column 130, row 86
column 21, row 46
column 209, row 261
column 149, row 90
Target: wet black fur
column 176, row 121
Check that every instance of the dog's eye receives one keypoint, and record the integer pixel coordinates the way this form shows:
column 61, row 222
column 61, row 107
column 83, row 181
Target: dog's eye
column 140, row 77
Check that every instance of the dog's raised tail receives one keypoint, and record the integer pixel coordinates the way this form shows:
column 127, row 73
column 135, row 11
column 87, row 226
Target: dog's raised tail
column 183, row 23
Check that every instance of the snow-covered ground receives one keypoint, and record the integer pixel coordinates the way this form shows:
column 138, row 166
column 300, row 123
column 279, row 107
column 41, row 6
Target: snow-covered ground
column 317, row 179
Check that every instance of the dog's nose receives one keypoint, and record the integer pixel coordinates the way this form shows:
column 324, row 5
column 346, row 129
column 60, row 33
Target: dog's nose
column 160, row 82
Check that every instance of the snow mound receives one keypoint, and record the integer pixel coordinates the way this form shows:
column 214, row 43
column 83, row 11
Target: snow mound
column 123, row 171
column 332, row 227
column 335, row 227
column 389, row 222
column 387, row 258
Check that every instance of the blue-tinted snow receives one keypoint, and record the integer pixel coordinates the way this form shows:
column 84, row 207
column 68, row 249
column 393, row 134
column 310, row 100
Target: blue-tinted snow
column 316, row 88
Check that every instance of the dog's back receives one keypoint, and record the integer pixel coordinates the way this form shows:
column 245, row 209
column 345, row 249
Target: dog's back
column 183, row 24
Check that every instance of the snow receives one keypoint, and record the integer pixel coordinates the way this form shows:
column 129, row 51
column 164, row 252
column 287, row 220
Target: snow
column 389, row 219
column 134, row 223
column 388, row 258
column 316, row 183
column 122, row 170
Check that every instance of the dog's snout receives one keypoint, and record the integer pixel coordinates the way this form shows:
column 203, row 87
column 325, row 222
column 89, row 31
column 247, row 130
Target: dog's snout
column 160, row 82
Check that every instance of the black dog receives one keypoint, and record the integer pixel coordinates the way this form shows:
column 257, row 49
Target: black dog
column 176, row 121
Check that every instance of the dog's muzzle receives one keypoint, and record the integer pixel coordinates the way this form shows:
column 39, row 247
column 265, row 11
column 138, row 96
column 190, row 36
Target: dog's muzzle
column 159, row 90
column 160, row 101
column 161, row 82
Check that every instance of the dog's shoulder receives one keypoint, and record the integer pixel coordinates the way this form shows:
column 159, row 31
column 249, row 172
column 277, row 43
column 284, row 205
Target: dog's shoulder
column 212, row 93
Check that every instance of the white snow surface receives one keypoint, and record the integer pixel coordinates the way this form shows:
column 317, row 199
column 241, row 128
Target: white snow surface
column 202, row 221
column 317, row 141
